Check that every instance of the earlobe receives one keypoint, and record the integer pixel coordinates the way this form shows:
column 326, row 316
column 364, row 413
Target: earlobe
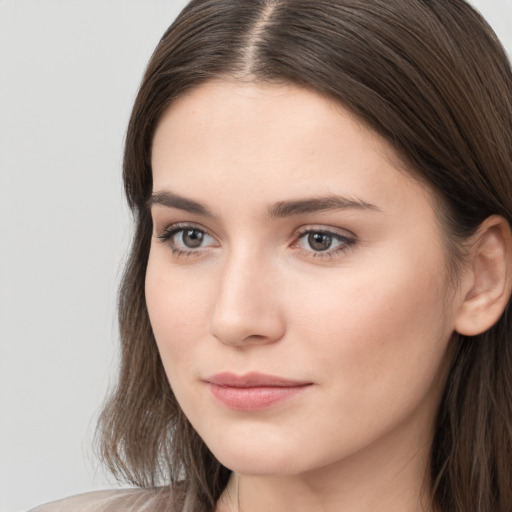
column 488, row 282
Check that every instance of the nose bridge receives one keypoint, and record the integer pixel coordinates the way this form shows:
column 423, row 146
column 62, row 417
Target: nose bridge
column 246, row 310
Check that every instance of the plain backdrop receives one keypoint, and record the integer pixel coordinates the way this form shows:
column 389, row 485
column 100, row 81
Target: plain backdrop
column 69, row 71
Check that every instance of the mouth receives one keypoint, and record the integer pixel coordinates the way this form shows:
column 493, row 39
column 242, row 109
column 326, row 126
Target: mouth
column 253, row 391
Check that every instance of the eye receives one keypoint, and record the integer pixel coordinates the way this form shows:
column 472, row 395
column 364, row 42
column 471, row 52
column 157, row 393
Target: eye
column 186, row 240
column 191, row 238
column 319, row 241
column 324, row 243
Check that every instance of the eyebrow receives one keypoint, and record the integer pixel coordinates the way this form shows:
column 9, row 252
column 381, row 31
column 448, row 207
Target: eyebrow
column 317, row 204
column 278, row 210
column 171, row 200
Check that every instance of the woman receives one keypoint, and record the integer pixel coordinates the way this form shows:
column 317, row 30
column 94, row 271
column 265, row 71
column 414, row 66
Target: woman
column 315, row 314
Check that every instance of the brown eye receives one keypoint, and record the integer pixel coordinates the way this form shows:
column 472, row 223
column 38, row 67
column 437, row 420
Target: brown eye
column 320, row 241
column 324, row 244
column 192, row 238
column 186, row 240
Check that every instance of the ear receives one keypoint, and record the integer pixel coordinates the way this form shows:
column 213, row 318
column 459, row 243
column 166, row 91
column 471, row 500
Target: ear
column 487, row 282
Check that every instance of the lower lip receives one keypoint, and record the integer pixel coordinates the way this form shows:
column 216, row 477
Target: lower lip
column 254, row 398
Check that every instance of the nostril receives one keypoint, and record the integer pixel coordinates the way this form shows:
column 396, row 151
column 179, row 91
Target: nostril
column 246, row 330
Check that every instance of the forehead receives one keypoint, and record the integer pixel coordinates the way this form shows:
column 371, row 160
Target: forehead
column 266, row 140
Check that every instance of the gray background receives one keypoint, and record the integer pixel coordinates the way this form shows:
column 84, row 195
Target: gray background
column 69, row 71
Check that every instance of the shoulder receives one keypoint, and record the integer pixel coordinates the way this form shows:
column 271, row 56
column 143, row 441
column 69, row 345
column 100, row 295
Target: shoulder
column 122, row 500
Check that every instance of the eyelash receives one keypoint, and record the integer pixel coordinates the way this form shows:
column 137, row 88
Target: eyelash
column 167, row 238
column 346, row 242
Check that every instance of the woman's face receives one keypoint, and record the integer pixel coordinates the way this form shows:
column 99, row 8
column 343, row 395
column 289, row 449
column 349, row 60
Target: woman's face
column 296, row 284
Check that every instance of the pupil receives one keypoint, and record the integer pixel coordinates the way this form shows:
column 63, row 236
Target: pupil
column 192, row 238
column 319, row 241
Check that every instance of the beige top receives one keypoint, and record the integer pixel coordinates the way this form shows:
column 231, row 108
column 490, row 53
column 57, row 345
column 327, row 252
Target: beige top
column 125, row 500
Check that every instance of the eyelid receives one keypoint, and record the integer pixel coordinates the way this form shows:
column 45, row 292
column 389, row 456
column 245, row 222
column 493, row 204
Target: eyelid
column 177, row 226
column 346, row 238
column 166, row 235
column 321, row 228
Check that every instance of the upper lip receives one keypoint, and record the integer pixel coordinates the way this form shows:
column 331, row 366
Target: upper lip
column 253, row 380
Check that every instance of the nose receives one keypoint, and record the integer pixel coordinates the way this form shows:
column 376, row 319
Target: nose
column 246, row 311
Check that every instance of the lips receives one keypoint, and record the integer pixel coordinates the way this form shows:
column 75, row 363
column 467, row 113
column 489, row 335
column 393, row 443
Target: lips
column 253, row 391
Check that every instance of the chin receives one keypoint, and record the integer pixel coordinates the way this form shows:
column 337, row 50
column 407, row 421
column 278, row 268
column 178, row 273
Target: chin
column 259, row 462
column 264, row 453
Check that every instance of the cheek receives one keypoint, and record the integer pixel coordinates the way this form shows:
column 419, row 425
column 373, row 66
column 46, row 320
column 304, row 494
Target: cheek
column 370, row 317
column 384, row 336
column 372, row 336
column 178, row 308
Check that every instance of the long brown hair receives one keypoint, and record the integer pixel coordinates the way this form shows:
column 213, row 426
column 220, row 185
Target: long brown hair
column 430, row 77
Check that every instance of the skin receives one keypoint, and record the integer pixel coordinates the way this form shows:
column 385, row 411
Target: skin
column 368, row 326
